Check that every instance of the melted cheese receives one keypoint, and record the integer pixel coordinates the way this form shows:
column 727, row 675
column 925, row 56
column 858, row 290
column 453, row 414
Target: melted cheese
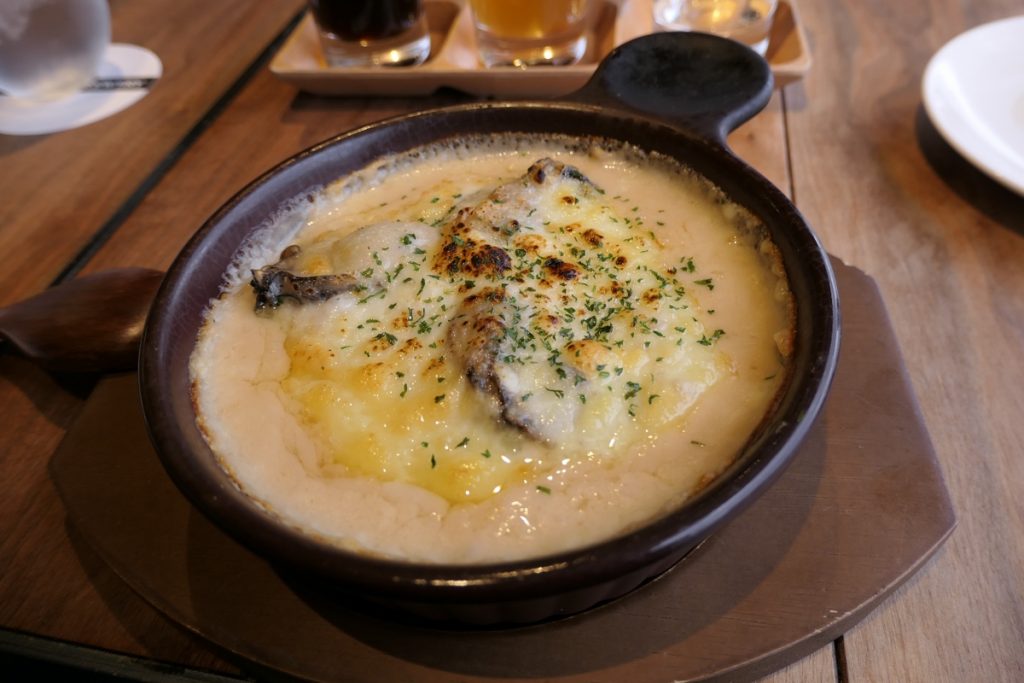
column 635, row 331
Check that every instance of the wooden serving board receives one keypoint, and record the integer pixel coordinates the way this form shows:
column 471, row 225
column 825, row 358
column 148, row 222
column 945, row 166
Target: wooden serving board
column 860, row 510
column 453, row 62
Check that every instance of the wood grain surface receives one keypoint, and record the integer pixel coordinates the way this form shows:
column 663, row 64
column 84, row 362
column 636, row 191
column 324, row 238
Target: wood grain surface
column 946, row 245
column 815, row 550
column 59, row 190
column 851, row 140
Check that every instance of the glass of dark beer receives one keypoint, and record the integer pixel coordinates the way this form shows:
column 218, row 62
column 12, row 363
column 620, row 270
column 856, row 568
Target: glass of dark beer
column 372, row 32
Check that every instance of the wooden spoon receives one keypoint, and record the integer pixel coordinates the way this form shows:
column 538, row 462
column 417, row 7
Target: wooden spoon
column 89, row 324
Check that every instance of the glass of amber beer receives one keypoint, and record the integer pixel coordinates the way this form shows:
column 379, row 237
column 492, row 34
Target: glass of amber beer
column 372, row 32
column 531, row 32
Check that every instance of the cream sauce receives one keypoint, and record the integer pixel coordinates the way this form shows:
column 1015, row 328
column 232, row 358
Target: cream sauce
column 353, row 444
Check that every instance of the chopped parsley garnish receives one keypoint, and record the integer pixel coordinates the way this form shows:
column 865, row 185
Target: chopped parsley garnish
column 708, row 341
column 378, row 293
column 632, row 390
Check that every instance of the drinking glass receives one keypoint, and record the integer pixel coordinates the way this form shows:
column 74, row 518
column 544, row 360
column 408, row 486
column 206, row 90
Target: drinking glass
column 372, row 32
column 748, row 21
column 530, row 32
column 50, row 49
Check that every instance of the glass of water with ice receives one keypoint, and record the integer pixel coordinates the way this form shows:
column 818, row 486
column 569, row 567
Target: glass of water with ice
column 50, row 49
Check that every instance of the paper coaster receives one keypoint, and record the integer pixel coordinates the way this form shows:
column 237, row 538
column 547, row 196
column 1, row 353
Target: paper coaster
column 123, row 78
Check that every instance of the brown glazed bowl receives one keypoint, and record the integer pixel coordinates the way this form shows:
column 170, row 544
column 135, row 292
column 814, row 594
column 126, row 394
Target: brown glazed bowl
column 678, row 94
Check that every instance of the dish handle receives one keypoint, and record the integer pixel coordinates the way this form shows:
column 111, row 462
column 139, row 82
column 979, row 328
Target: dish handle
column 89, row 324
column 697, row 82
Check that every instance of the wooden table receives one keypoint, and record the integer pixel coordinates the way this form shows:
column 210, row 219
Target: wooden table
column 850, row 143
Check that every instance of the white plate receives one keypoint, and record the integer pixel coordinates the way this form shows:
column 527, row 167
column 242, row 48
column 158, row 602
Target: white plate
column 974, row 93
column 21, row 117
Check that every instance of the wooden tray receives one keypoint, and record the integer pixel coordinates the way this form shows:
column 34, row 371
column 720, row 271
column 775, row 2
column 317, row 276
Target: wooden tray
column 862, row 507
column 453, row 60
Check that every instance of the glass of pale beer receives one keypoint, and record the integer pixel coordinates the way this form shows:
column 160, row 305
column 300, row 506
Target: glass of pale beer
column 746, row 21
column 531, row 32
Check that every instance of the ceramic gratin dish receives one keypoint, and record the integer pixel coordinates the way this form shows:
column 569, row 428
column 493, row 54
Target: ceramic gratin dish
column 672, row 93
